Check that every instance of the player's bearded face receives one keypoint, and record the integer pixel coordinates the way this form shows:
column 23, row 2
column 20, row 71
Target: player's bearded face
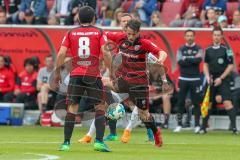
column 131, row 34
column 189, row 37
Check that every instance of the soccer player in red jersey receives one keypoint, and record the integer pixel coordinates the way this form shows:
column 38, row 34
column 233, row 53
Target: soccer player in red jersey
column 85, row 43
column 133, row 75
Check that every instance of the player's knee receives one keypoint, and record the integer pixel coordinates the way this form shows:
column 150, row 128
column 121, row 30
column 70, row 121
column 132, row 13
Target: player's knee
column 144, row 115
column 73, row 108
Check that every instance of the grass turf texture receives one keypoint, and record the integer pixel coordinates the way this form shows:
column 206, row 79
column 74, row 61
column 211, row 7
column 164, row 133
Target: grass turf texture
column 21, row 143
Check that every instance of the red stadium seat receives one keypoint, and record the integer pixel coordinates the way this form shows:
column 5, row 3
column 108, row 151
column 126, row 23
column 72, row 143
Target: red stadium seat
column 170, row 10
column 231, row 7
column 49, row 4
column 126, row 5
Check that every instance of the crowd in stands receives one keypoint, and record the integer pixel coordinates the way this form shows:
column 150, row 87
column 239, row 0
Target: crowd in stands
column 154, row 13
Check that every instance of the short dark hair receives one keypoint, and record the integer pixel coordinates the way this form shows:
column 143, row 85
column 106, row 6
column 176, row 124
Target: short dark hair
column 189, row 30
column 134, row 25
column 29, row 61
column 126, row 15
column 86, row 14
column 217, row 28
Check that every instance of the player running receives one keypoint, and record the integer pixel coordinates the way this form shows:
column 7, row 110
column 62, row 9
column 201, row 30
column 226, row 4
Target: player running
column 133, row 77
column 85, row 43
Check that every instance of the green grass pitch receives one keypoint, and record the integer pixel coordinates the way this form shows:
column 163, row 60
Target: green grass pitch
column 34, row 143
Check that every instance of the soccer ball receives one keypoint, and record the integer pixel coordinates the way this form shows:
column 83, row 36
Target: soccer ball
column 115, row 111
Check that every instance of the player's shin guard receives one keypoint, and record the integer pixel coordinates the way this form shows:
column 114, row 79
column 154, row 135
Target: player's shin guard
column 232, row 116
column 100, row 122
column 69, row 125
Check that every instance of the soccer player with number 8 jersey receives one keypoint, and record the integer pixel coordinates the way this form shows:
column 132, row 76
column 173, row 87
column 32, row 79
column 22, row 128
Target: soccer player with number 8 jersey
column 85, row 44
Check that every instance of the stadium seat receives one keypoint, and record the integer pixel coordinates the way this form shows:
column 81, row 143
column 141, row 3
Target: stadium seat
column 231, row 7
column 170, row 10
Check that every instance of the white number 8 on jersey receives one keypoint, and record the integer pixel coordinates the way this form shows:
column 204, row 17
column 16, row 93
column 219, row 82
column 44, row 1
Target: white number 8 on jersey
column 83, row 50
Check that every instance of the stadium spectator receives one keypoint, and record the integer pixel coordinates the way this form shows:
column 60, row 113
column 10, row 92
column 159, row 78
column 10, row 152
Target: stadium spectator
column 189, row 15
column 7, row 79
column 25, row 88
column 105, row 14
column 38, row 7
column 3, row 17
column 11, row 8
column 220, row 6
column 218, row 65
column 43, row 83
column 117, row 18
column 29, row 18
column 62, row 88
column 223, row 21
column 189, row 57
column 53, row 21
column 156, row 20
column 211, row 19
column 235, row 20
column 61, row 9
column 144, row 9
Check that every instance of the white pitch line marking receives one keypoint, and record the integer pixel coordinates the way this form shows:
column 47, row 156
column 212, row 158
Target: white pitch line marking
column 44, row 156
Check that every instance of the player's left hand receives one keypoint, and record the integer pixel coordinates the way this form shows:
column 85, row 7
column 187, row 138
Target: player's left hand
column 217, row 82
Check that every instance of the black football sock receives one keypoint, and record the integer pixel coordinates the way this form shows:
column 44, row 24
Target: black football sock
column 69, row 126
column 205, row 122
column 179, row 119
column 232, row 116
column 151, row 124
column 166, row 118
column 100, row 122
column 197, row 114
column 112, row 126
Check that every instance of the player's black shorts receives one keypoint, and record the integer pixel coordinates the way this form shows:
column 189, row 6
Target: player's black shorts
column 84, row 86
column 224, row 90
column 138, row 93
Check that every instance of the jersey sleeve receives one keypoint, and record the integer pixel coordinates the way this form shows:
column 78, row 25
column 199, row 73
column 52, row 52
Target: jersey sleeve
column 151, row 47
column 229, row 56
column 206, row 57
column 66, row 40
column 115, row 36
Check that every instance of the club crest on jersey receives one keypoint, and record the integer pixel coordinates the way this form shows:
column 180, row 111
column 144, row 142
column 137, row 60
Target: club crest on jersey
column 136, row 47
column 220, row 61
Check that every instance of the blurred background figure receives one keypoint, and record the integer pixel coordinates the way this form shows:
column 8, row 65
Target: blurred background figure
column 25, row 88
column 61, row 10
column 223, row 21
column 7, row 78
column 117, row 18
column 189, row 15
column 38, row 7
column 212, row 18
column 220, row 7
column 144, row 8
column 236, row 19
column 156, row 20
